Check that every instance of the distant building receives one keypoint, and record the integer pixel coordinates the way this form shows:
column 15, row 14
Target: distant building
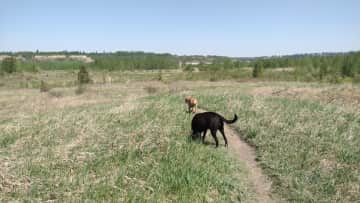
column 2, row 57
column 193, row 63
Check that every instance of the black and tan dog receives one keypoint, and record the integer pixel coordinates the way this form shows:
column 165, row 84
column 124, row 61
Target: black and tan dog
column 210, row 121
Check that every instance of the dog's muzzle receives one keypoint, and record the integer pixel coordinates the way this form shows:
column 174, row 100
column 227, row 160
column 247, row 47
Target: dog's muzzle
column 194, row 136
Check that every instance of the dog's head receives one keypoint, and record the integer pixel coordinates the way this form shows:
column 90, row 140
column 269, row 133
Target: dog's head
column 187, row 99
column 195, row 136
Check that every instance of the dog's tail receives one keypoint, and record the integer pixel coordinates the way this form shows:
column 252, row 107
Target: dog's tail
column 231, row 121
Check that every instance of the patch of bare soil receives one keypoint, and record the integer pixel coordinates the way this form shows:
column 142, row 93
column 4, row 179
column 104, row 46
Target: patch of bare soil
column 341, row 95
column 263, row 91
column 291, row 92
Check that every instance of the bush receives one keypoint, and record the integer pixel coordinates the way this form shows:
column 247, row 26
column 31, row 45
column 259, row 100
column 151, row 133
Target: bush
column 8, row 65
column 44, row 87
column 83, row 76
column 160, row 76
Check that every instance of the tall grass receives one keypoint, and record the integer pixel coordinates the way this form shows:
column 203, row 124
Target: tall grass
column 136, row 152
column 309, row 149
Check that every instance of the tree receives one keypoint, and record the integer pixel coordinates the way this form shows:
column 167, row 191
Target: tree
column 227, row 64
column 322, row 71
column 83, row 76
column 8, row 65
column 237, row 64
column 348, row 68
column 258, row 68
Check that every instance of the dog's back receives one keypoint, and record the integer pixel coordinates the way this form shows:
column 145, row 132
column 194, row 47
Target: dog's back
column 209, row 120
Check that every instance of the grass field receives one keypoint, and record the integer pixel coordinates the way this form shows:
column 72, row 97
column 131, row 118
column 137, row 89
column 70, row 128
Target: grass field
column 68, row 78
column 125, row 145
column 307, row 137
column 129, row 142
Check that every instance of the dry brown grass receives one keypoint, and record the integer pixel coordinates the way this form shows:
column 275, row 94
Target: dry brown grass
column 18, row 105
column 346, row 96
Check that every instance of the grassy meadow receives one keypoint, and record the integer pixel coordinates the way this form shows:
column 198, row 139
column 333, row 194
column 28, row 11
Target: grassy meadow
column 112, row 143
column 128, row 140
column 307, row 137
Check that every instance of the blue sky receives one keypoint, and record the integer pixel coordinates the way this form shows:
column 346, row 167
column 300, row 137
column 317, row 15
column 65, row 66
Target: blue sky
column 227, row 27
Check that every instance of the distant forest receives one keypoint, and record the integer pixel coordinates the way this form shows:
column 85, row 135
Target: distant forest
column 331, row 67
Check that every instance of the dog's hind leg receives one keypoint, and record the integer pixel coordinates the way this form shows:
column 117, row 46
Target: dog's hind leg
column 213, row 133
column 203, row 137
column 223, row 134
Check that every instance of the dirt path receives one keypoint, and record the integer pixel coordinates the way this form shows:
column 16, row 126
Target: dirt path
column 246, row 154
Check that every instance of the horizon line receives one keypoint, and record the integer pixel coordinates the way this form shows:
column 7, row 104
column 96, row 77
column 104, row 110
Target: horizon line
column 175, row 54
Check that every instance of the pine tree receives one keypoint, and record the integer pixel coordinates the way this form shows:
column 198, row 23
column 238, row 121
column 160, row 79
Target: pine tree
column 258, row 68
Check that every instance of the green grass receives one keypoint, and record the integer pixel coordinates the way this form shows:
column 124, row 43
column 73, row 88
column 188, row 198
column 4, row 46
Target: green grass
column 68, row 77
column 108, row 145
column 309, row 149
column 113, row 152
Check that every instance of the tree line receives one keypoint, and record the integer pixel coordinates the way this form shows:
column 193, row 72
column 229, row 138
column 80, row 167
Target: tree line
column 134, row 61
column 307, row 67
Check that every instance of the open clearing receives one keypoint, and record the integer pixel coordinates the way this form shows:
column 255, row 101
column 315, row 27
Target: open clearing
column 129, row 142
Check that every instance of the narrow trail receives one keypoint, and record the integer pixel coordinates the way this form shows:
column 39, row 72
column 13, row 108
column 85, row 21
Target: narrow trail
column 245, row 153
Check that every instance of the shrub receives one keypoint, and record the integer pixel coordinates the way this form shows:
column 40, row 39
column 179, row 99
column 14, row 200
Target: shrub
column 160, row 76
column 83, row 76
column 8, row 65
column 44, row 87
